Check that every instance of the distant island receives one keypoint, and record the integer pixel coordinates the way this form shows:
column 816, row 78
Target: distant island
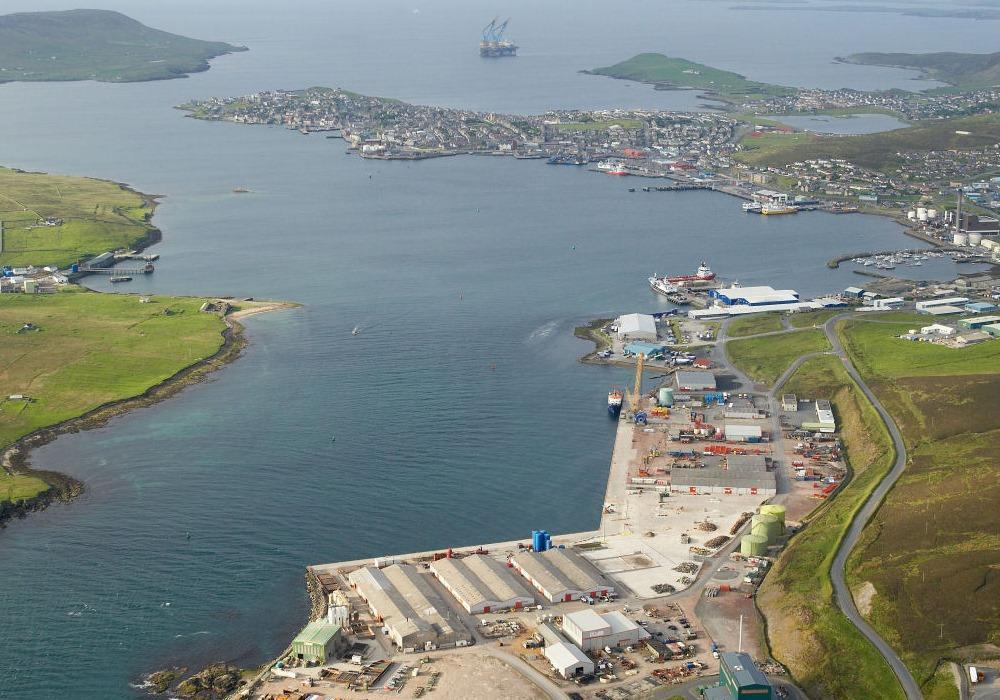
column 97, row 45
column 666, row 72
column 965, row 70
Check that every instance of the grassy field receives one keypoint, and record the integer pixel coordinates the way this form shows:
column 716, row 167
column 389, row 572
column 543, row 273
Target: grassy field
column 678, row 72
column 807, row 319
column 89, row 349
column 592, row 332
column 96, row 215
column 753, row 324
column 805, row 629
column 97, row 45
column 877, row 151
column 933, row 549
column 764, row 359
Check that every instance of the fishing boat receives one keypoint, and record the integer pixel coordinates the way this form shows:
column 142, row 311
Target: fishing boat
column 356, row 331
column 120, row 278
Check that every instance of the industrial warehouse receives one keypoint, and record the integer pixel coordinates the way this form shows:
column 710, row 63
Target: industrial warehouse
column 562, row 575
column 414, row 615
column 481, row 584
column 590, row 630
column 743, row 475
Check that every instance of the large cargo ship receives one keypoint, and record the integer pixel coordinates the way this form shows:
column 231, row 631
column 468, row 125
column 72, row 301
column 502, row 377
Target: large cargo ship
column 704, row 274
column 615, row 397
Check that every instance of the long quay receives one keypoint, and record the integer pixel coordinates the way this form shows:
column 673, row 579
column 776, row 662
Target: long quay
column 144, row 270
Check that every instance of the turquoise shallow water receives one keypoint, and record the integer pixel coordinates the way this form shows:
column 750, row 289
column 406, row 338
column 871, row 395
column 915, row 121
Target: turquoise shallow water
column 451, row 267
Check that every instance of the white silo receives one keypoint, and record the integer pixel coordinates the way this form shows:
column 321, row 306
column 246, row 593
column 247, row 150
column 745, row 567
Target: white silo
column 932, row 213
column 975, row 238
column 921, row 214
column 960, row 239
column 911, row 215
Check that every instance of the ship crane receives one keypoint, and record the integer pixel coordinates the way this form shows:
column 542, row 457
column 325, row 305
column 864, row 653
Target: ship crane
column 636, row 394
column 489, row 30
column 498, row 34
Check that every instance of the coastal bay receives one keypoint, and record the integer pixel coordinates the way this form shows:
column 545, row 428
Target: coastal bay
column 234, row 459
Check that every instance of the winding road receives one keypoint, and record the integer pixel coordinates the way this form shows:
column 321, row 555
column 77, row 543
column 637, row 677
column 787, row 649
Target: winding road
column 841, row 591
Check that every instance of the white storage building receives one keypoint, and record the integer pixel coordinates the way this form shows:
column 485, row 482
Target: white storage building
column 694, row 381
column 590, row 630
column 561, row 575
column 944, row 301
column 482, row 584
column 412, row 612
column 636, row 327
column 739, row 432
column 567, row 660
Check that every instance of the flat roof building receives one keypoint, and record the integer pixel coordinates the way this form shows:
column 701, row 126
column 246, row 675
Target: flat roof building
column 824, row 416
column 978, row 322
column 739, row 432
column 941, row 301
column 319, row 642
column 636, row 327
column 591, row 630
column 642, row 347
column 745, row 475
column 695, row 381
column 413, row 613
column 481, row 584
column 789, row 402
column 562, row 575
column 980, row 307
column 754, row 296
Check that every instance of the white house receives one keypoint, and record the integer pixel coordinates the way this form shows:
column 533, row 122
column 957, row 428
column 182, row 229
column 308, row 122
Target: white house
column 636, row 327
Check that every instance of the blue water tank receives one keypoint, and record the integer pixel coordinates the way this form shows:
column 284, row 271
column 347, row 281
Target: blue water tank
column 74, row 268
column 537, row 541
column 548, row 541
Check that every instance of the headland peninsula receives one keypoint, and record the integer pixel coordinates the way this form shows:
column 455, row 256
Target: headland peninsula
column 71, row 359
column 99, row 45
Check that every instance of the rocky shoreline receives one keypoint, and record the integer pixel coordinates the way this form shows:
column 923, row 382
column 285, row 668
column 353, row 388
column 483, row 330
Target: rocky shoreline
column 16, row 458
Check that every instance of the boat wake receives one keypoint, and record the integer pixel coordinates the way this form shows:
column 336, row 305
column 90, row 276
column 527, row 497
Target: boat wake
column 543, row 331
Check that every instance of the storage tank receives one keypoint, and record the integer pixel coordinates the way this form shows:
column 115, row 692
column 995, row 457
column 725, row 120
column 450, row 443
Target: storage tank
column 777, row 511
column 932, row 213
column 911, row 215
column 921, row 214
column 960, row 239
column 766, row 525
column 666, row 397
column 975, row 238
column 753, row 546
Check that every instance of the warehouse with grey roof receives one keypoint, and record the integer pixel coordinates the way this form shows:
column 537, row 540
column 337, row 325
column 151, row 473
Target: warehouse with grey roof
column 404, row 600
column 561, row 575
column 744, row 475
column 481, row 584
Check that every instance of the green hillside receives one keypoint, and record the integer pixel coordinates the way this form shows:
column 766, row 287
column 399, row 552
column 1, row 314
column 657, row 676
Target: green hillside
column 665, row 71
column 876, row 151
column 965, row 70
column 97, row 45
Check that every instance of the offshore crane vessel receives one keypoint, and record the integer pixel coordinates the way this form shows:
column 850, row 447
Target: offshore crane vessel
column 493, row 44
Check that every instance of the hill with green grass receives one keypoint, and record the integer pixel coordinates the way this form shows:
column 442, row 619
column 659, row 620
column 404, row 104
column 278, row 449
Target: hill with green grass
column 58, row 220
column 666, row 72
column 877, row 151
column 964, row 70
column 97, row 45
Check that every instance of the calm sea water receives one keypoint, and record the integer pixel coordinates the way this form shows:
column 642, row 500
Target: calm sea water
column 460, row 413
column 853, row 124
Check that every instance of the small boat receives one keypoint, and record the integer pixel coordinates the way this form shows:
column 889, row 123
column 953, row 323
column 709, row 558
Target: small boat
column 356, row 331
column 240, row 190
column 120, row 279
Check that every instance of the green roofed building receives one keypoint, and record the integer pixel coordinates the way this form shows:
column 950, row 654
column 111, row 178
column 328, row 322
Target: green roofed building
column 742, row 677
column 318, row 642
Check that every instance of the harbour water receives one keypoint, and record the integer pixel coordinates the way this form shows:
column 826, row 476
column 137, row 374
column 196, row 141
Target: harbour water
column 459, row 414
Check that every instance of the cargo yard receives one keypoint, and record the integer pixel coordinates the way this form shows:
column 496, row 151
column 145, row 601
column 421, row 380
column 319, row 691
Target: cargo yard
column 708, row 478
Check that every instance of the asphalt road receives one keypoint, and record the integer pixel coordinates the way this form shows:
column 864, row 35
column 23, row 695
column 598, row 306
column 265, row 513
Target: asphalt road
column 842, row 593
